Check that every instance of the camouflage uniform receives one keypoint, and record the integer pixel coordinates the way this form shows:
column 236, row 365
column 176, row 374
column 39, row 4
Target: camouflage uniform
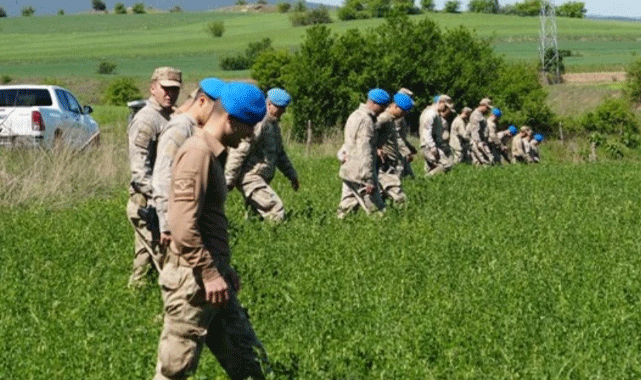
column 520, row 149
column 405, row 147
column 478, row 132
column 359, row 169
column 175, row 133
column 503, row 138
column 252, row 166
column 431, row 132
column 459, row 140
column 391, row 165
column 493, row 141
column 533, row 152
column 143, row 132
column 199, row 251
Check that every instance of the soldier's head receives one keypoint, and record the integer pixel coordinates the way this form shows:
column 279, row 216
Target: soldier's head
column 402, row 104
column 465, row 113
column 525, row 131
column 537, row 139
column 241, row 106
column 485, row 105
column 496, row 113
column 277, row 102
column 165, row 86
column 407, row 92
column 444, row 105
column 205, row 98
column 377, row 100
column 513, row 131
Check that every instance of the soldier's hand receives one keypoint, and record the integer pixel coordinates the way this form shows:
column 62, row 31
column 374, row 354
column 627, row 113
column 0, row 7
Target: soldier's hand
column 165, row 239
column 410, row 158
column 295, row 184
column 435, row 154
column 217, row 291
column 234, row 278
column 369, row 189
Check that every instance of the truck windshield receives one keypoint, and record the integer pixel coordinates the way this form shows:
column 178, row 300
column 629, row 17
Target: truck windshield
column 21, row 97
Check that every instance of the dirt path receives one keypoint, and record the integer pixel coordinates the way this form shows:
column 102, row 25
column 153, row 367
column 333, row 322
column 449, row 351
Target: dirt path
column 594, row 77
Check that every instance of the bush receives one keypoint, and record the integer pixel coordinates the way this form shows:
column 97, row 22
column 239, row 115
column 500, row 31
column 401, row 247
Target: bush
column 241, row 2
column 28, row 11
column 574, row 9
column 300, row 6
column 452, row 6
column 315, row 16
column 632, row 87
column 121, row 91
column 284, row 7
column 120, row 9
column 176, row 9
column 613, row 116
column 3, row 13
column 216, row 28
column 106, row 67
column 244, row 62
column 138, row 8
column 353, row 10
column 269, row 68
column 379, row 8
column 427, row 5
column 528, row 8
column 236, row 63
column 4, row 79
column 61, row 12
column 483, row 6
column 98, row 5
column 261, row 2
column 551, row 66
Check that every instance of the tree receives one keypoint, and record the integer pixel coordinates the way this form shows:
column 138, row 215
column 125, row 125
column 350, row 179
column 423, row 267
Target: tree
column 3, row 13
column 28, row 11
column 300, row 6
column 574, row 9
column 452, row 6
column 241, row 2
column 98, row 5
column 379, row 8
column 528, row 8
column 61, row 12
column 261, row 2
column 138, row 8
column 120, row 9
column 483, row 6
column 284, row 7
column 632, row 87
column 427, row 5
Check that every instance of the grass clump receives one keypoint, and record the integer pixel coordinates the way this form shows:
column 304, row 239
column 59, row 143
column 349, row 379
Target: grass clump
column 106, row 67
column 216, row 28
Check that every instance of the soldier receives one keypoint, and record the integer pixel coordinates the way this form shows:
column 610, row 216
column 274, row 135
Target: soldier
column 459, row 139
column 251, row 167
column 198, row 284
column 492, row 132
column 408, row 151
column 390, row 166
column 477, row 130
column 434, row 147
column 533, row 148
column 520, row 145
column 180, row 128
column 143, row 131
column 358, row 170
column 503, row 138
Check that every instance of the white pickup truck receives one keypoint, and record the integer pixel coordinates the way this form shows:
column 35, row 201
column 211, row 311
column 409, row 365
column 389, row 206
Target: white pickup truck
column 44, row 116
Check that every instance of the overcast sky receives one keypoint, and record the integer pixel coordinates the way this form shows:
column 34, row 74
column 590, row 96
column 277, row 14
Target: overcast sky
column 626, row 8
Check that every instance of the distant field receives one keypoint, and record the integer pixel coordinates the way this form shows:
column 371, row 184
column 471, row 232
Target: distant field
column 74, row 45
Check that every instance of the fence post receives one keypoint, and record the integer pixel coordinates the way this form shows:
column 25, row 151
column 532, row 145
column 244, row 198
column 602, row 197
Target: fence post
column 561, row 133
column 309, row 138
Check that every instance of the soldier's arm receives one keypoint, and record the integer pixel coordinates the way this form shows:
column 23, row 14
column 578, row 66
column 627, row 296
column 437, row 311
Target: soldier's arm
column 161, row 178
column 427, row 140
column 140, row 143
column 235, row 162
column 188, row 190
column 474, row 129
column 283, row 163
column 365, row 145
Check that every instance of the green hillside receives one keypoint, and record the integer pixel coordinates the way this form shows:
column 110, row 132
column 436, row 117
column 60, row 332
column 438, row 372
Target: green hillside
column 74, row 45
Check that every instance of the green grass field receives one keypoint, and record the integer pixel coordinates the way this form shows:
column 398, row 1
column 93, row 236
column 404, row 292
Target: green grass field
column 512, row 272
column 74, row 45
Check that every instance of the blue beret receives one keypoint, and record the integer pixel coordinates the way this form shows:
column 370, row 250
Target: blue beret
column 538, row 137
column 379, row 96
column 212, row 87
column 513, row 130
column 279, row 97
column 436, row 98
column 244, row 102
column 497, row 112
column 403, row 101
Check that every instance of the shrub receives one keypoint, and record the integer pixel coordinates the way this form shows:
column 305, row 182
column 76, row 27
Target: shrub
column 300, row 6
column 574, row 9
column 551, row 66
column 269, row 68
column 4, row 79
column 379, row 8
column 3, row 13
column 98, row 5
column 284, row 7
column 236, row 63
column 106, row 67
column 121, row 91
column 61, row 12
column 315, row 16
column 452, row 6
column 353, row 10
column 632, row 87
column 262, row 2
column 120, row 9
column 483, row 6
column 216, row 28
column 138, row 8
column 612, row 116
column 244, row 62
column 176, row 9
column 28, row 11
column 528, row 8
column 427, row 5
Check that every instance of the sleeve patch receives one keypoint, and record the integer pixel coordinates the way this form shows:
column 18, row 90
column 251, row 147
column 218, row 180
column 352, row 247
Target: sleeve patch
column 184, row 189
column 142, row 139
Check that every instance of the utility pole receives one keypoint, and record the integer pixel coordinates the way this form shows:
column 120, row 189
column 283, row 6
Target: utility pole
column 548, row 44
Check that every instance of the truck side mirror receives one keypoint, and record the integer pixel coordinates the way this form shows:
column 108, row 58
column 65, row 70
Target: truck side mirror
column 87, row 110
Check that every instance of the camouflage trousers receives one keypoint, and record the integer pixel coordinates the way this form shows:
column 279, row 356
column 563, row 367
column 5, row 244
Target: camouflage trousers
column 190, row 323
column 461, row 155
column 435, row 165
column 407, row 168
column 390, row 183
column 499, row 153
column 354, row 197
column 262, row 199
column 146, row 250
column 482, row 155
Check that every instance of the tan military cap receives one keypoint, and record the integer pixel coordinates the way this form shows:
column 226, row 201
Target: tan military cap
column 406, row 92
column 446, row 99
column 167, row 76
column 466, row 109
column 526, row 129
column 486, row 102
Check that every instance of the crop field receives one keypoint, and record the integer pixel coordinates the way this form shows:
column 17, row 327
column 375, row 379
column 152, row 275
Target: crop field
column 73, row 45
column 511, row 272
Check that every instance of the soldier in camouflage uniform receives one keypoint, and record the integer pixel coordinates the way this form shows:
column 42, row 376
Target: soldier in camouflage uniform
column 520, row 146
column 358, row 169
column 459, row 139
column 431, row 131
column 477, row 130
column 251, row 166
column 492, row 132
column 180, row 128
column 408, row 151
column 533, row 148
column 143, row 131
column 390, row 161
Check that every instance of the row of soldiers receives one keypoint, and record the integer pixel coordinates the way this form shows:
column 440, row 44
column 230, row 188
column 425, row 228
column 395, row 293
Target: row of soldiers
column 376, row 153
